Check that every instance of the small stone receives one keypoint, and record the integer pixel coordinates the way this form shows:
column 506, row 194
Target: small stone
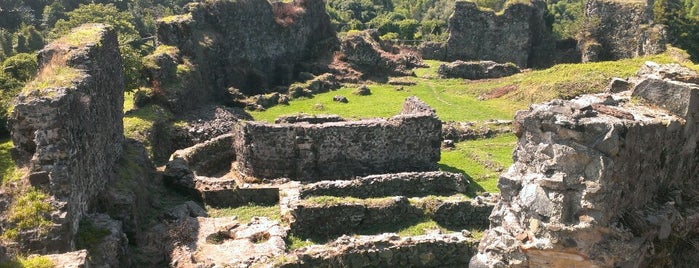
column 340, row 98
column 362, row 91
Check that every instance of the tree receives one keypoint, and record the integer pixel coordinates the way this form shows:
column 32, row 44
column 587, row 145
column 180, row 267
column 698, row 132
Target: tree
column 99, row 13
column 21, row 67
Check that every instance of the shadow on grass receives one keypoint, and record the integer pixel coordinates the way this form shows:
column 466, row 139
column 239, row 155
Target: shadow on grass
column 473, row 187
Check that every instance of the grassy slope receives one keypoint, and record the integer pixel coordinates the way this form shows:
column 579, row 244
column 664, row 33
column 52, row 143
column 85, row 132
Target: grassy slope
column 7, row 166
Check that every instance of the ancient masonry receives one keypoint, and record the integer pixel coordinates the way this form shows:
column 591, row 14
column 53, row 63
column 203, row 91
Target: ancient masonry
column 66, row 132
column 308, row 152
column 238, row 168
column 252, row 45
column 621, row 29
column 518, row 35
column 606, row 180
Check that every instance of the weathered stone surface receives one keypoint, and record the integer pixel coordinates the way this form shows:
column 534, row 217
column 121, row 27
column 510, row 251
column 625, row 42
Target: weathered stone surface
column 111, row 250
column 409, row 184
column 74, row 131
column 251, row 45
column 324, row 220
column 387, row 250
column 591, row 189
column 224, row 242
column 465, row 214
column 339, row 150
column 175, row 231
column 461, row 131
column 340, row 98
column 476, row 69
column 208, row 158
column 618, row 85
column 660, row 87
column 128, row 196
column 622, row 29
column 75, row 259
column 311, row 119
column 318, row 84
column 362, row 90
column 365, row 52
column 519, row 35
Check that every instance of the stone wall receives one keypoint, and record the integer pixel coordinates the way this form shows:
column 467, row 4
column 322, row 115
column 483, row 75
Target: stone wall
column 71, row 134
column 621, row 29
column 603, row 180
column 406, row 184
column 251, row 45
column 340, row 150
column 389, row 250
column 320, row 219
column 519, row 35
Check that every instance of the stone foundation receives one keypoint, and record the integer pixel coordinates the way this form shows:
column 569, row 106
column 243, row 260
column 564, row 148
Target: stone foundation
column 388, row 250
column 406, row 184
column 340, row 150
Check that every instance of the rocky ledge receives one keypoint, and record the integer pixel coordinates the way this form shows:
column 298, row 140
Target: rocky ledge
column 606, row 180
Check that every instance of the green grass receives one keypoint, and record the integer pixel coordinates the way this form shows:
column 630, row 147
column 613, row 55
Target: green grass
column 53, row 76
column 294, row 242
column 89, row 236
column 483, row 160
column 457, row 99
column 422, row 228
column 29, row 210
column 386, row 101
column 7, row 166
column 29, row 262
column 337, row 200
column 83, row 35
column 246, row 213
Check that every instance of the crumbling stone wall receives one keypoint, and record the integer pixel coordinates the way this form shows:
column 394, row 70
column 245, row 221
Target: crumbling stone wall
column 71, row 134
column 621, row 29
column 603, row 180
column 519, row 35
column 251, row 45
column 405, row 183
column 339, row 150
column 388, row 250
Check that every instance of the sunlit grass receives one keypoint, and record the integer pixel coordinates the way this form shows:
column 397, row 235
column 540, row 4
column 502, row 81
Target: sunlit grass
column 246, row 213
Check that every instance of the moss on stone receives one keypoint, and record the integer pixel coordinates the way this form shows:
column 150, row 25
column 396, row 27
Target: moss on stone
column 28, row 211
column 82, row 35
column 89, row 236
column 177, row 18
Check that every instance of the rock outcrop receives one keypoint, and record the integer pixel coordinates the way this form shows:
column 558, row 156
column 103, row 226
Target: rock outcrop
column 365, row 52
column 67, row 128
column 476, row 69
column 251, row 45
column 518, row 35
column 603, row 180
column 621, row 29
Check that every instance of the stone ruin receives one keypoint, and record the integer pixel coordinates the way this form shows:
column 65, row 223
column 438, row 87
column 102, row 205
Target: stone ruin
column 621, row 30
column 65, row 134
column 309, row 152
column 362, row 193
column 607, row 180
column 519, row 34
